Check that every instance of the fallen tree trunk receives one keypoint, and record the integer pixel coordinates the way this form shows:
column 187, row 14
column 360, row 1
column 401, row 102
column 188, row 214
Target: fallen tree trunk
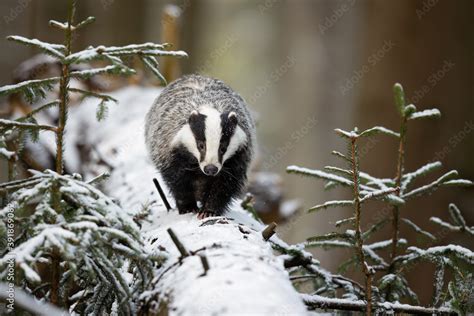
column 216, row 266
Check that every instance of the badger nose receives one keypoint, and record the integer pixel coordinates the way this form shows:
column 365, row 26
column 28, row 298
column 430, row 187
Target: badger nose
column 210, row 170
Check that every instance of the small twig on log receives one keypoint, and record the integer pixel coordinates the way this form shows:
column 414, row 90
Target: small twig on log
column 182, row 250
column 195, row 252
column 269, row 231
column 162, row 194
column 205, row 263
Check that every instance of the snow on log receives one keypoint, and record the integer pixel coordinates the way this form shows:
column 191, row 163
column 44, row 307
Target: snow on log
column 229, row 267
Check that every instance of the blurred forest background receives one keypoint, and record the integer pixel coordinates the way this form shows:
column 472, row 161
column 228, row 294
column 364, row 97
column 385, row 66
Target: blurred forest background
column 307, row 67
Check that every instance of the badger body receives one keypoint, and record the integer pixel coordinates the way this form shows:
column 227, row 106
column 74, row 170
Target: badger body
column 201, row 137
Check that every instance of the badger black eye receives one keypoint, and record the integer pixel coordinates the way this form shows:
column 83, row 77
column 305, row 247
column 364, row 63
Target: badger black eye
column 222, row 150
column 201, row 145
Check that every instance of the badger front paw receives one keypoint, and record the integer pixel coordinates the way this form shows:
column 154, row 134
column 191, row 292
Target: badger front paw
column 205, row 214
column 184, row 208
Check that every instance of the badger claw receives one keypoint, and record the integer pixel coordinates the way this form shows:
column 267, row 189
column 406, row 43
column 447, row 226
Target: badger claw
column 204, row 214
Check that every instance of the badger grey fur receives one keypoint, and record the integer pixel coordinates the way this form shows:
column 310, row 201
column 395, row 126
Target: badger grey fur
column 201, row 137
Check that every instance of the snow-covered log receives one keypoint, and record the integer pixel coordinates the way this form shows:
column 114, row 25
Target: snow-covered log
column 227, row 267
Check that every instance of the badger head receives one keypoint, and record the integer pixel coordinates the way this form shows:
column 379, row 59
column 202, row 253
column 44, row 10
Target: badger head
column 211, row 137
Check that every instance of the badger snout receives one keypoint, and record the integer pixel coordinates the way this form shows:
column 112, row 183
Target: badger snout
column 210, row 170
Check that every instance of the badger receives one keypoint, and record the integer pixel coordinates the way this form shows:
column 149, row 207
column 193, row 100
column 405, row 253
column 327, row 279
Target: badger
column 201, row 137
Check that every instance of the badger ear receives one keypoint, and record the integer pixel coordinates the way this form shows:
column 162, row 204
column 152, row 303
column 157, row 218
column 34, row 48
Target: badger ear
column 193, row 117
column 232, row 117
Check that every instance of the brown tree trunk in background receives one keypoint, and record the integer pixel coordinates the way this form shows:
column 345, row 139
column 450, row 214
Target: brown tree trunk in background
column 429, row 52
column 310, row 92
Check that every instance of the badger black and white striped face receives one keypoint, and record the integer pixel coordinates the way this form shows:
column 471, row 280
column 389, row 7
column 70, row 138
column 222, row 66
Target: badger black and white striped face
column 212, row 137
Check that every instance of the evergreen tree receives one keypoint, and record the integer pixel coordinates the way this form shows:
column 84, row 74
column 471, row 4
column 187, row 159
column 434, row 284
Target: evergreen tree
column 69, row 243
column 386, row 293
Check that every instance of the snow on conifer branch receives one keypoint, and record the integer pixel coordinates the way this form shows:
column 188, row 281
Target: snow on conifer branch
column 379, row 194
column 432, row 113
column 55, row 50
column 399, row 97
column 89, row 73
column 328, row 204
column 91, row 245
column 152, row 64
column 429, row 188
column 456, row 215
column 459, row 223
column 319, row 174
column 417, row 229
column 85, row 22
column 433, row 254
column 426, row 169
column 87, row 221
column 32, row 89
column 378, row 130
column 13, row 124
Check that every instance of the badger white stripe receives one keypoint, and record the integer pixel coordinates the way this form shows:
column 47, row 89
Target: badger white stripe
column 238, row 139
column 185, row 136
column 213, row 134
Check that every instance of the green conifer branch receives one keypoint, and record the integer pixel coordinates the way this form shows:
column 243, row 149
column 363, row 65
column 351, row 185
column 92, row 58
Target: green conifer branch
column 152, row 64
column 22, row 125
column 332, row 236
column 55, row 50
column 394, row 191
column 367, row 270
column 63, row 109
column 63, row 90
column 429, row 188
column 418, row 230
column 399, row 96
column 431, row 113
column 87, row 21
column 38, row 110
column 32, row 89
column 89, row 73
column 458, row 222
column 86, row 93
column 341, row 203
